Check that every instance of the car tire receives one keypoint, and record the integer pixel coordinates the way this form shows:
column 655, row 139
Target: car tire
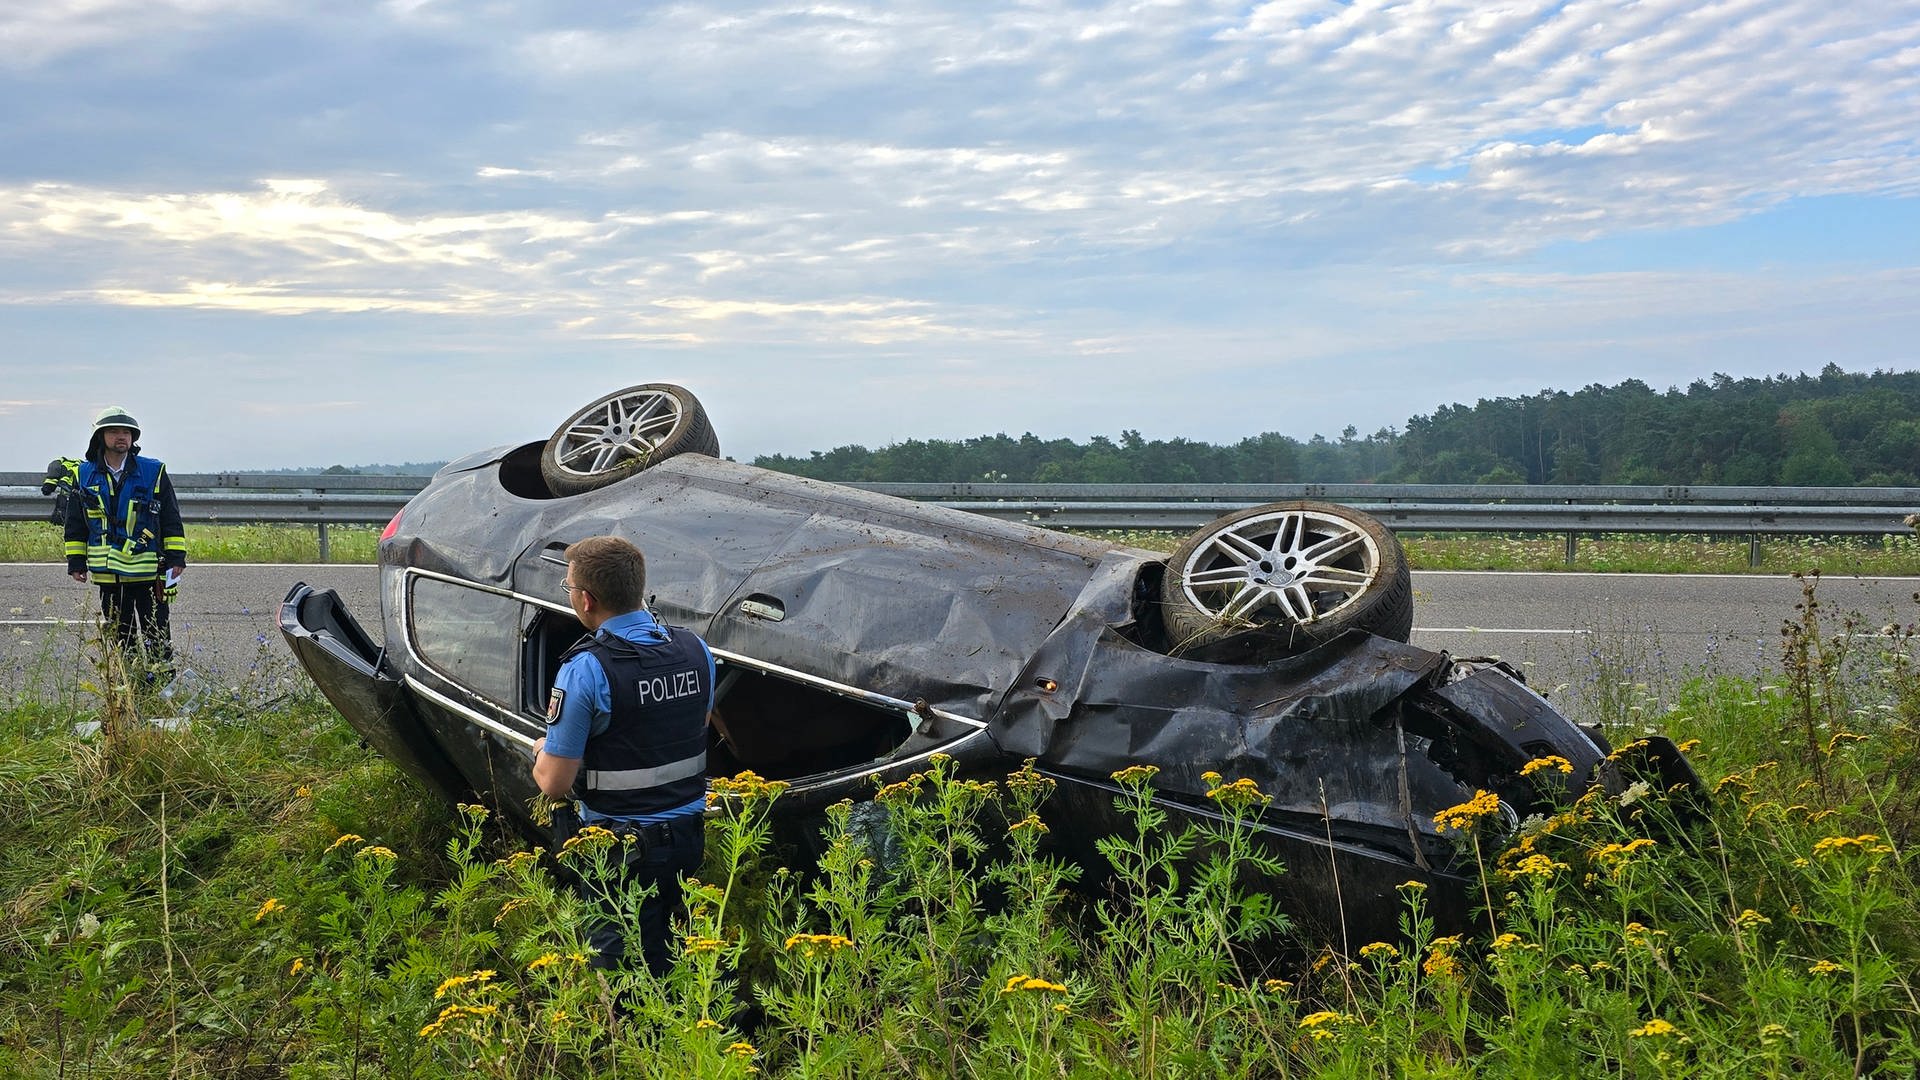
column 622, row 433
column 1292, row 574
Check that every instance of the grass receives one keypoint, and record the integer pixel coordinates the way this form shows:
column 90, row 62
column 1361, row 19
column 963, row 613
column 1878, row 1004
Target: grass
column 1635, row 553
column 258, row 896
column 42, row 542
column 1612, row 553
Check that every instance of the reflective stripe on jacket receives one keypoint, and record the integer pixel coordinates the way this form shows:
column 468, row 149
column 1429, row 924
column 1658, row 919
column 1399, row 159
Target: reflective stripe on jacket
column 653, row 755
column 123, row 521
column 62, row 480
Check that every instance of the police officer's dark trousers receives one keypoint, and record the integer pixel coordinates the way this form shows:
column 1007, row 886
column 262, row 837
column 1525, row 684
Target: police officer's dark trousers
column 658, row 856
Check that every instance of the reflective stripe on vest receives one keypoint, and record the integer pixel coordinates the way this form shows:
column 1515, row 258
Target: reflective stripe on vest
column 644, row 778
column 123, row 520
column 653, row 755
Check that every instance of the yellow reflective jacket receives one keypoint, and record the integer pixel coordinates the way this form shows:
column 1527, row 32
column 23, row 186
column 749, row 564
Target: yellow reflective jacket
column 61, row 481
column 122, row 531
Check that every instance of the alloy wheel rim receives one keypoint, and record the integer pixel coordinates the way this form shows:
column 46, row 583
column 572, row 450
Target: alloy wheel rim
column 608, row 434
column 1303, row 564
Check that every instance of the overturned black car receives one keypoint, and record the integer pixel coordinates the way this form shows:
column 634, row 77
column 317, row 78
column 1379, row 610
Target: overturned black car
column 857, row 634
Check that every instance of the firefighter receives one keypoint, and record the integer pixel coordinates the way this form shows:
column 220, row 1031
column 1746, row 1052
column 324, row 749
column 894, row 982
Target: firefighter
column 62, row 480
column 124, row 531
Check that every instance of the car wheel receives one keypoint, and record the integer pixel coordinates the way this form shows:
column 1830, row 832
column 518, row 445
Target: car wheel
column 622, row 433
column 1298, row 572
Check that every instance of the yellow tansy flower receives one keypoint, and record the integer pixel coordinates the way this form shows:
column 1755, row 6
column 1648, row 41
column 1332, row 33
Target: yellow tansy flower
column 1017, row 984
column 1031, row 821
column 1483, row 804
column 1553, row 762
column 1654, row 1028
column 510, row 907
column 456, row 981
column 1536, row 865
column 1834, row 846
column 1321, row 1025
column 1242, row 794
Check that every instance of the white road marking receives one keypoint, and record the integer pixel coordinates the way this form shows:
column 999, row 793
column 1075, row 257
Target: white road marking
column 1493, row 630
column 1619, row 576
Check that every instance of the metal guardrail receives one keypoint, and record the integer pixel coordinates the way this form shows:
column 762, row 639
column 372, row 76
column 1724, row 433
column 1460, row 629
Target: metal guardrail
column 1569, row 510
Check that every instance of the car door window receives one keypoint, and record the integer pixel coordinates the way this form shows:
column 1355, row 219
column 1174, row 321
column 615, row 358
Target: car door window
column 470, row 635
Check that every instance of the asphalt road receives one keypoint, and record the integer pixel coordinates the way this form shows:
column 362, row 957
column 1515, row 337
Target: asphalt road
column 1576, row 636
column 223, row 623
column 1563, row 631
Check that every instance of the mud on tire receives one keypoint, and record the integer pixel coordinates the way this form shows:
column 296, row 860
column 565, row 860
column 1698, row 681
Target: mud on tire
column 622, row 433
column 1293, row 573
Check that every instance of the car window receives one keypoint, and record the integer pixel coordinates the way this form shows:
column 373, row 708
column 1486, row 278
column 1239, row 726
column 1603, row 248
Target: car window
column 549, row 634
column 471, row 636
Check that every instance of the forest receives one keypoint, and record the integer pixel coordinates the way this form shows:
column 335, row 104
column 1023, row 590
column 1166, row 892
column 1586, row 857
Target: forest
column 1833, row 429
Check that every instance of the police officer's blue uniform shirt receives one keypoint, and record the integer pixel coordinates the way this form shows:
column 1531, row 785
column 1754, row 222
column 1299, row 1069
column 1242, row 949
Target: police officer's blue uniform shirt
column 586, row 704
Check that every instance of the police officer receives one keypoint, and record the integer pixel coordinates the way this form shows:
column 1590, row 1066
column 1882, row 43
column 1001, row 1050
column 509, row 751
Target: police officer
column 123, row 529
column 626, row 736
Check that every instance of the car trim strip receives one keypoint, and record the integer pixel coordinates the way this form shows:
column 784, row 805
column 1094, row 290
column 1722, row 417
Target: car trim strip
column 477, row 718
column 958, row 748
column 414, row 571
column 635, row 779
column 867, row 697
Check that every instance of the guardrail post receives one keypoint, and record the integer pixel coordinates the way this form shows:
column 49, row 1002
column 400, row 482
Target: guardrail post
column 326, row 555
column 1573, row 546
column 1753, row 551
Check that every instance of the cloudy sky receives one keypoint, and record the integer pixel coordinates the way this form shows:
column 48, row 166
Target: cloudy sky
column 317, row 232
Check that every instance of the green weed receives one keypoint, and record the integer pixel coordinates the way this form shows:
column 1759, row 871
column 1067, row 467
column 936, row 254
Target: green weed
column 1610, row 553
column 41, row 542
column 256, row 895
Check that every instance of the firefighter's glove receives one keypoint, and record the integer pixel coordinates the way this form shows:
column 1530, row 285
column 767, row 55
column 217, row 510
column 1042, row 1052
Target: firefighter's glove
column 166, row 588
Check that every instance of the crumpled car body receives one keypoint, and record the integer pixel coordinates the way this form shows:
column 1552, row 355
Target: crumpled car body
column 856, row 635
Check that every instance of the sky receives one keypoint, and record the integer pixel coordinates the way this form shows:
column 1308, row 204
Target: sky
column 309, row 233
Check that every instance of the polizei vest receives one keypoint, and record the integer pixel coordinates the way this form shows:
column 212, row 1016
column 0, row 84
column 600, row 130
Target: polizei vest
column 653, row 755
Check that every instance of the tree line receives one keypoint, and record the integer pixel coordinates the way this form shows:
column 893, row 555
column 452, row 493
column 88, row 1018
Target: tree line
column 1833, row 429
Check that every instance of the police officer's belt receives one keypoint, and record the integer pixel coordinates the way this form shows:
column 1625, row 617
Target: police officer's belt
column 647, row 836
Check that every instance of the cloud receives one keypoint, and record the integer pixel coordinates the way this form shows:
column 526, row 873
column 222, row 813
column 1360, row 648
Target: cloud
column 1063, row 202
column 36, row 32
